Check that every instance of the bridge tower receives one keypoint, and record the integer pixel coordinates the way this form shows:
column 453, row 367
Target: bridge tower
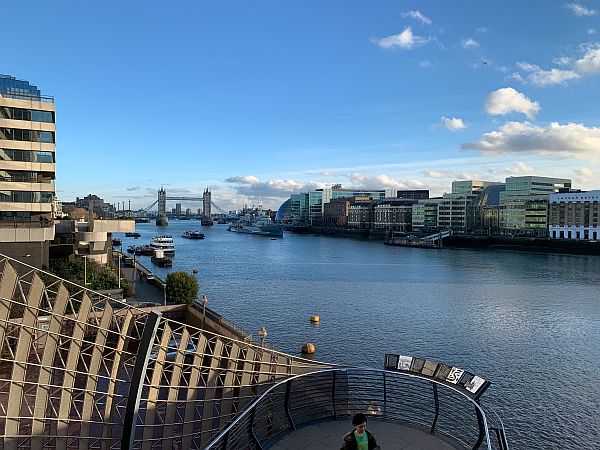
column 206, row 204
column 161, row 218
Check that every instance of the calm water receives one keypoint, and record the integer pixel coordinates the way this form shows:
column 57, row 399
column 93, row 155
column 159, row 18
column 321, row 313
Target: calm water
column 528, row 322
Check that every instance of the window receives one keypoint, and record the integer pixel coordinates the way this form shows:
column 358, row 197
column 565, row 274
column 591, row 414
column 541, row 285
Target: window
column 7, row 154
column 26, row 114
column 16, row 134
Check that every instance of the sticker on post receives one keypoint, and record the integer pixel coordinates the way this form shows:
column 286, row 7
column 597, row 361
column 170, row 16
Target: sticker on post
column 474, row 385
column 454, row 375
column 404, row 362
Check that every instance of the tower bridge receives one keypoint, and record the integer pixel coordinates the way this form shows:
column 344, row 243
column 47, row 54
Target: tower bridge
column 206, row 199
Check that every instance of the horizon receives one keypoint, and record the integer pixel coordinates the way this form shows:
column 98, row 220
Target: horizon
column 264, row 100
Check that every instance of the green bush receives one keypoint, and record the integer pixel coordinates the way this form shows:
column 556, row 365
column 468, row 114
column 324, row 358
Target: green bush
column 182, row 288
column 128, row 290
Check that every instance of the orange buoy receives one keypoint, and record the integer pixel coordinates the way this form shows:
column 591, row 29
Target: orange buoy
column 309, row 348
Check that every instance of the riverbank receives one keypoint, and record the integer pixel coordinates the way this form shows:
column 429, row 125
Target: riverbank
column 524, row 244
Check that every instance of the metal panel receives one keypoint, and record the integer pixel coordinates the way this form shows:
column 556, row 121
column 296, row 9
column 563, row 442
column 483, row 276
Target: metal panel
column 209, row 393
column 92, row 376
column 26, row 333
column 43, row 389
column 8, row 283
column 227, row 398
column 192, row 394
column 64, row 412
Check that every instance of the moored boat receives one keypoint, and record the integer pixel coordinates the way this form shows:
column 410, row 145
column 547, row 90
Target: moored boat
column 192, row 235
column 161, row 260
column 163, row 242
column 133, row 234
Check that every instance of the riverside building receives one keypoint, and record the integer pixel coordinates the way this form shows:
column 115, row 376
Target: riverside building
column 524, row 203
column 27, row 171
column 574, row 215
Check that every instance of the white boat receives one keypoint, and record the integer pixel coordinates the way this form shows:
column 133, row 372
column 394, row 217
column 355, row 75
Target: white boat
column 263, row 226
column 163, row 242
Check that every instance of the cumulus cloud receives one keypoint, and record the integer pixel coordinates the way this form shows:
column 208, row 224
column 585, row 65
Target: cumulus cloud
column 274, row 188
column 437, row 174
column 453, row 123
column 506, row 100
column 585, row 174
column 569, row 140
column 469, row 43
column 589, row 63
column 580, row 10
column 546, row 77
column 244, row 179
column 381, row 181
column 417, row 16
column 519, row 169
column 405, row 40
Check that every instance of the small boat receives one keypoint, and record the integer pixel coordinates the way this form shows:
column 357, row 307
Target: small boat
column 116, row 242
column 194, row 270
column 192, row 235
column 135, row 234
column 418, row 243
column 131, row 249
column 161, row 260
column 144, row 250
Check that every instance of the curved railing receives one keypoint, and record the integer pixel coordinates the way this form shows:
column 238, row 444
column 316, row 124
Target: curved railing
column 406, row 399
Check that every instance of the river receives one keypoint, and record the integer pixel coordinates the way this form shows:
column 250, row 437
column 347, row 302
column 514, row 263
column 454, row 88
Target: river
column 528, row 322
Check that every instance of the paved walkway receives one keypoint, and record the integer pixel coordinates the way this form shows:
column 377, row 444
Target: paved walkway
column 328, row 435
column 144, row 292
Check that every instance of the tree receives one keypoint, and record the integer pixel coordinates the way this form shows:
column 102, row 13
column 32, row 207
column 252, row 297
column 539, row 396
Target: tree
column 182, row 288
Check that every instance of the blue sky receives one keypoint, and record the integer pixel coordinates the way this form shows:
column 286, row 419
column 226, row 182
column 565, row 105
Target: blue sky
column 261, row 99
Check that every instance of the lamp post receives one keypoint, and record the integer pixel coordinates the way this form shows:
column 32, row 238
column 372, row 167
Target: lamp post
column 120, row 252
column 262, row 334
column 204, row 301
column 84, row 270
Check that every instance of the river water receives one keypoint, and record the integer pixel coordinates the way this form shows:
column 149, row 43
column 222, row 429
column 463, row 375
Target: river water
column 530, row 323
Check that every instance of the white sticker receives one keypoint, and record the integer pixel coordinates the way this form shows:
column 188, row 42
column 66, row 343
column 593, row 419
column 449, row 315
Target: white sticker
column 454, row 375
column 404, row 362
column 474, row 385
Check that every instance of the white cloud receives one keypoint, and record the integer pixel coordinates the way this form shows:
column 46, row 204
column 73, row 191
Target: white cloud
column 417, row 16
column 562, row 61
column 437, row 174
column 569, row 140
column 585, row 174
column 405, row 40
column 591, row 31
column 580, row 10
column 469, row 43
column 547, row 77
column 426, row 64
column 382, row 181
column 482, row 30
column 454, row 123
column 589, row 63
column 506, row 100
column 519, row 169
column 245, row 179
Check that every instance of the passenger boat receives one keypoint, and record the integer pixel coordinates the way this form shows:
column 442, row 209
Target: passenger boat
column 163, row 242
column 262, row 226
column 133, row 234
column 397, row 242
column 192, row 235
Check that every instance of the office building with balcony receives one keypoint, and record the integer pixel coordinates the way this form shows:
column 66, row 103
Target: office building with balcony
column 574, row 215
column 27, row 171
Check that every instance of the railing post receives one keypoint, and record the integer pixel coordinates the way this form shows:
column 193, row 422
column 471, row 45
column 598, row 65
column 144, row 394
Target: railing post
column 137, row 379
column 436, row 402
column 384, row 394
column 481, row 424
column 254, row 438
column 333, row 395
column 288, row 388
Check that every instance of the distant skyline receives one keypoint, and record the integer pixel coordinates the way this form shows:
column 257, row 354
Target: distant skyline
column 257, row 100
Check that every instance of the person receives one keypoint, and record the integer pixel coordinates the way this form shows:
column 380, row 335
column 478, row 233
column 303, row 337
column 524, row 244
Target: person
column 359, row 438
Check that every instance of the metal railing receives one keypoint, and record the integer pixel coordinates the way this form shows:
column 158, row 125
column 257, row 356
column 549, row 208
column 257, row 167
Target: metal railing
column 29, row 97
column 401, row 398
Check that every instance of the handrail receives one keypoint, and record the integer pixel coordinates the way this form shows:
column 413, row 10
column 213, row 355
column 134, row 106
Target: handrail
column 250, row 409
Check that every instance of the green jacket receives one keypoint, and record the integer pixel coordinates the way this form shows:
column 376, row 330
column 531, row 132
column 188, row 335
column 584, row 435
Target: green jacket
column 349, row 442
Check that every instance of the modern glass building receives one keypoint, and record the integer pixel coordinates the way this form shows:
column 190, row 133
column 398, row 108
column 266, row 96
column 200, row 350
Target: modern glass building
column 27, row 170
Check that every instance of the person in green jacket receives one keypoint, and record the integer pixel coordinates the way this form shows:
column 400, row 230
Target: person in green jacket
column 359, row 438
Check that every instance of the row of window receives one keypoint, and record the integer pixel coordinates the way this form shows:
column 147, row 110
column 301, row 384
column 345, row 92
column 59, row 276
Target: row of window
column 26, row 197
column 31, row 115
column 9, row 154
column 25, row 177
column 16, row 134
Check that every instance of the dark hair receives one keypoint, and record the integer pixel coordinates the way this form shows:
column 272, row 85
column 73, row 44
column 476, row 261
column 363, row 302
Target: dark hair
column 358, row 419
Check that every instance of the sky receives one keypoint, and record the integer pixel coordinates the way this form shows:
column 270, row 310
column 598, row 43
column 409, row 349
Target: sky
column 257, row 100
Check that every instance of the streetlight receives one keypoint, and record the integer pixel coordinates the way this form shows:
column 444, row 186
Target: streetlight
column 120, row 252
column 204, row 301
column 262, row 334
